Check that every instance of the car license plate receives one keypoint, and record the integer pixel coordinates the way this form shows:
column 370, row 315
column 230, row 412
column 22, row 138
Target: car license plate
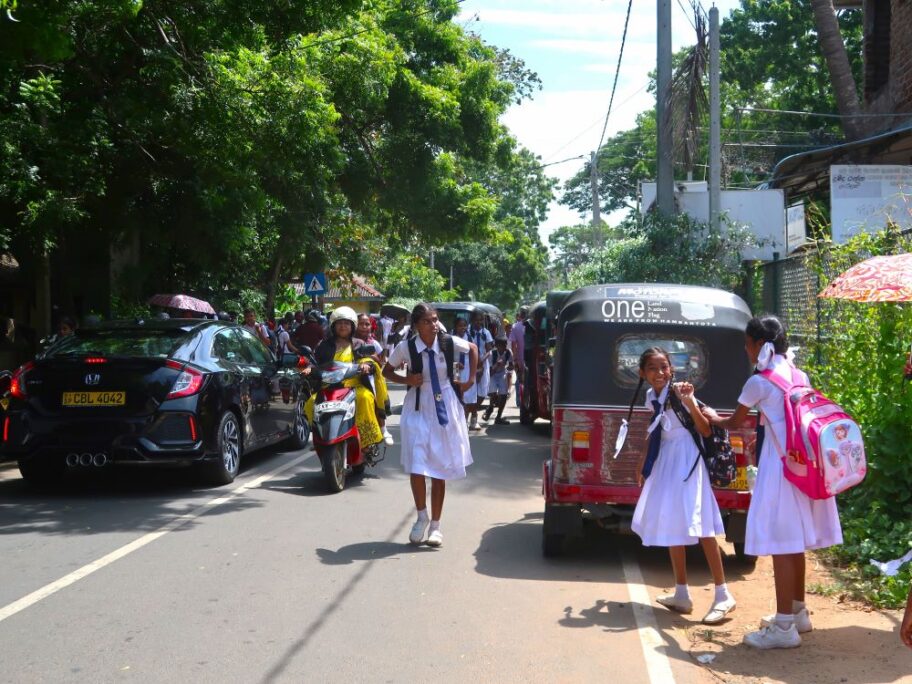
column 94, row 398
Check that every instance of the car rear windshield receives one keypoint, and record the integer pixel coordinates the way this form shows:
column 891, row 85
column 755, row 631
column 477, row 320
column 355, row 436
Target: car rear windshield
column 126, row 342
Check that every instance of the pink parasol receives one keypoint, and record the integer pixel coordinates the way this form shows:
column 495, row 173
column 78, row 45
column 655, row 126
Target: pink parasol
column 878, row 279
column 182, row 302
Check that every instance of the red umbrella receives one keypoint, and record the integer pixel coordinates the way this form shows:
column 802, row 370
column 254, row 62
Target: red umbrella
column 182, row 302
column 878, row 279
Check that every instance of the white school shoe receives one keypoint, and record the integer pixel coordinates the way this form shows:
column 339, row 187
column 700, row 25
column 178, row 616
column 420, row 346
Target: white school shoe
column 388, row 438
column 416, row 536
column 435, row 538
column 679, row 605
column 802, row 621
column 719, row 611
column 773, row 636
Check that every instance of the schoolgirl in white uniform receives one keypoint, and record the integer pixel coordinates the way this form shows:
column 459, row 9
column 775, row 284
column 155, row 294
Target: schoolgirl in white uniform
column 782, row 521
column 435, row 441
column 481, row 337
column 677, row 507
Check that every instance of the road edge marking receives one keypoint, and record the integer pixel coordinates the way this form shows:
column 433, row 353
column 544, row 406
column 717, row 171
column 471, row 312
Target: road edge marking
column 42, row 593
column 658, row 665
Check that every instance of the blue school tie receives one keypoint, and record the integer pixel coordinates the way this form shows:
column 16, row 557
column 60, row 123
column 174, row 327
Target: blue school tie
column 438, row 395
column 655, row 441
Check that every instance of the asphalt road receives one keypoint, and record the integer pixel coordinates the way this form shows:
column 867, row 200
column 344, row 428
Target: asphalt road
column 145, row 576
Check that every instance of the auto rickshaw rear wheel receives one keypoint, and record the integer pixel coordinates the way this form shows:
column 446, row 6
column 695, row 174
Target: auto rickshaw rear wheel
column 553, row 544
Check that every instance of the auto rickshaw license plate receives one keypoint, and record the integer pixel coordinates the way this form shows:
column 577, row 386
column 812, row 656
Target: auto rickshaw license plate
column 94, row 399
column 740, row 482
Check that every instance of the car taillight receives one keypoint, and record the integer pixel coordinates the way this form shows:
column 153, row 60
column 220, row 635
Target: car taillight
column 17, row 382
column 188, row 382
column 95, row 359
column 6, row 422
column 580, row 448
column 192, row 421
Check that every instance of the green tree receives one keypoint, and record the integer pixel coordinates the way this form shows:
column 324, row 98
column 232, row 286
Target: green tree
column 237, row 144
column 668, row 250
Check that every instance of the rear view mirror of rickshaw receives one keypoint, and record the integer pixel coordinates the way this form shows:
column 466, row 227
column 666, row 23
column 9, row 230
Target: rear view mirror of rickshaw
column 602, row 330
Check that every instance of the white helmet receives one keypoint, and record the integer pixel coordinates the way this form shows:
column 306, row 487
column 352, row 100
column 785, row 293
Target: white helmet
column 343, row 313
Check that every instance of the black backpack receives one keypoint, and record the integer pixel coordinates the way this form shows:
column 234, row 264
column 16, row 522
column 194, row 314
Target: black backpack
column 715, row 450
column 416, row 362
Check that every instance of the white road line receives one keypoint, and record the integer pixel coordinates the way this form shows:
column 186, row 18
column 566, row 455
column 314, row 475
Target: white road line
column 47, row 590
column 658, row 667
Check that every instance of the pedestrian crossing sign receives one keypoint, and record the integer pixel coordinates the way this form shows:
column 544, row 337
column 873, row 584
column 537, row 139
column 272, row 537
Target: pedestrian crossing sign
column 315, row 283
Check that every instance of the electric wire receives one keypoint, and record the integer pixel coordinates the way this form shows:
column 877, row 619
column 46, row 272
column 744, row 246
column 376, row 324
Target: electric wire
column 617, row 73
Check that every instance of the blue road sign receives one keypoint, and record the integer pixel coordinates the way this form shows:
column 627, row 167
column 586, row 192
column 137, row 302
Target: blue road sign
column 315, row 283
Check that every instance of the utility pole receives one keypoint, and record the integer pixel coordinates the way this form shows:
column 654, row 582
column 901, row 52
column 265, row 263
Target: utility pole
column 596, row 209
column 664, row 168
column 715, row 124
column 432, row 258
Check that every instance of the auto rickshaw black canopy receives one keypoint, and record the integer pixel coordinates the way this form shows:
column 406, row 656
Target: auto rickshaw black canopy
column 594, row 320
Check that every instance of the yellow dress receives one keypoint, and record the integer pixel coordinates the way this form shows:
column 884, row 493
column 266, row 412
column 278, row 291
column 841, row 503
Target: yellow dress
column 366, row 402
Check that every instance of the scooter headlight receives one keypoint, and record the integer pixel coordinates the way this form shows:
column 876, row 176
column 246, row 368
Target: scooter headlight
column 350, row 411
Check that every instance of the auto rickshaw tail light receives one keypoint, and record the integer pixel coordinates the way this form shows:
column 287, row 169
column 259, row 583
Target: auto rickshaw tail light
column 580, row 447
column 737, row 443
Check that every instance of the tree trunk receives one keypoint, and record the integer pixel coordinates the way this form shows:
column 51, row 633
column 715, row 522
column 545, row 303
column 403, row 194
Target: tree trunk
column 272, row 277
column 838, row 64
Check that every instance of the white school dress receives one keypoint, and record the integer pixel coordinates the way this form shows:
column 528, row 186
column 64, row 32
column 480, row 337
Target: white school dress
column 429, row 448
column 482, row 338
column 673, row 509
column 781, row 518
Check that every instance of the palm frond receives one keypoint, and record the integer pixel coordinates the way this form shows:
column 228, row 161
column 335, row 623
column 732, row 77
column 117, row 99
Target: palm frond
column 688, row 103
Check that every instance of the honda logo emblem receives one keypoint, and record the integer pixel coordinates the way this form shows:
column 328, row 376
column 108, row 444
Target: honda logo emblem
column 92, row 379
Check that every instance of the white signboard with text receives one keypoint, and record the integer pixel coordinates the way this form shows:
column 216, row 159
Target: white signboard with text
column 762, row 211
column 863, row 199
column 795, row 227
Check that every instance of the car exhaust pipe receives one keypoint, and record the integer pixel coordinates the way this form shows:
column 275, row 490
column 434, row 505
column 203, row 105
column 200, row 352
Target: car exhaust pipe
column 99, row 460
column 72, row 460
column 85, row 460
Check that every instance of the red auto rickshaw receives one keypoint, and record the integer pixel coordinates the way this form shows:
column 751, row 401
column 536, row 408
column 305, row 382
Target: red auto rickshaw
column 601, row 332
column 538, row 344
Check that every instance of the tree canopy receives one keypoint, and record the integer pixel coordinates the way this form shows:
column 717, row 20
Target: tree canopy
column 238, row 144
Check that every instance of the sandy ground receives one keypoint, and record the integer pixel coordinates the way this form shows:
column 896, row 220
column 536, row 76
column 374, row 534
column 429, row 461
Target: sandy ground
column 850, row 642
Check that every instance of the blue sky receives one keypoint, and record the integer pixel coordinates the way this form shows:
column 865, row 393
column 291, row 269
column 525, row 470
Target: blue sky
column 573, row 46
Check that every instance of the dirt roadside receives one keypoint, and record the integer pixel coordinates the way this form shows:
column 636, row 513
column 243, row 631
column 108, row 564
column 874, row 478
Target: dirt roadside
column 851, row 642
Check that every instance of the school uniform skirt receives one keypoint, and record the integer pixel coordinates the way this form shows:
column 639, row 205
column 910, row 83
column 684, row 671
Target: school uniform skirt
column 782, row 518
column 673, row 509
column 429, row 448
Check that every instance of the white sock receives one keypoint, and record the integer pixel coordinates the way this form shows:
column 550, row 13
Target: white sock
column 784, row 621
column 798, row 606
column 681, row 591
column 435, row 525
column 423, row 515
column 722, row 593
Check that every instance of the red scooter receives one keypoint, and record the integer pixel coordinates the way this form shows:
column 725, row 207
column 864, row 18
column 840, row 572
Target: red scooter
column 335, row 432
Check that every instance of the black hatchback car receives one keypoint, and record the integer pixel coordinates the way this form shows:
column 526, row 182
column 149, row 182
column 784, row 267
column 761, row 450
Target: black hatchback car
column 176, row 392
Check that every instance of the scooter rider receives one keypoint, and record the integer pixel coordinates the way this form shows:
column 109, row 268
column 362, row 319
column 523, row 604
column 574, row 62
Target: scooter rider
column 341, row 345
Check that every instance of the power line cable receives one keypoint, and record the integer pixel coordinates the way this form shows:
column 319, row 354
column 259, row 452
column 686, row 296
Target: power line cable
column 617, row 72
column 687, row 14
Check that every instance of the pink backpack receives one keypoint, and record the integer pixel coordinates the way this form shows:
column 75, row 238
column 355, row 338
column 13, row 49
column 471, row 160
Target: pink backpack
column 824, row 452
